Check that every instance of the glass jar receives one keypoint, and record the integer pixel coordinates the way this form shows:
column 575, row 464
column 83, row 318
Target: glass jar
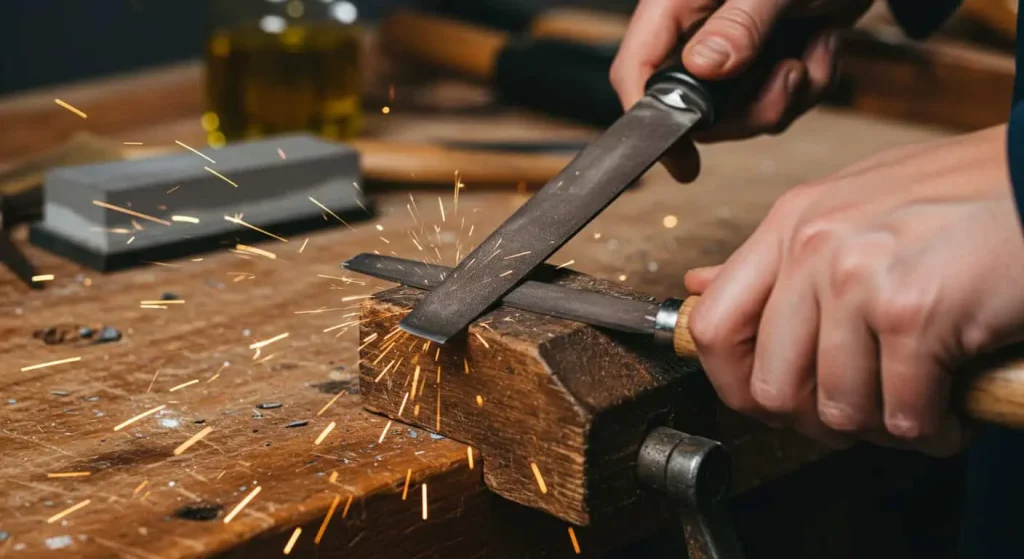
column 275, row 66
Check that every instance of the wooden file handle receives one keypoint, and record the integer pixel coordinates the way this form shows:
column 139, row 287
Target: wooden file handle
column 992, row 391
column 580, row 25
column 469, row 50
column 407, row 163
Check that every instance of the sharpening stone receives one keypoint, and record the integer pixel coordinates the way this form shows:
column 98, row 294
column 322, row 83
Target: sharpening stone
column 273, row 193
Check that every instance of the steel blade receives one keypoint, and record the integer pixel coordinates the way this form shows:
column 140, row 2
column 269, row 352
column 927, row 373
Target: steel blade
column 550, row 218
column 598, row 309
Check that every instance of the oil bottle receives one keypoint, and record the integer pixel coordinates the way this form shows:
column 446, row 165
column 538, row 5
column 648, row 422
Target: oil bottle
column 275, row 66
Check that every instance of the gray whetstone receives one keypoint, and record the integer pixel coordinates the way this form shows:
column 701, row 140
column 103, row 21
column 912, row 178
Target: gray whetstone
column 271, row 192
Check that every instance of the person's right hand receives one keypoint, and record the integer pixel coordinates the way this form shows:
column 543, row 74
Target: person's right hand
column 725, row 38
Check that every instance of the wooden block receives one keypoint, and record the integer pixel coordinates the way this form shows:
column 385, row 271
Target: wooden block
column 532, row 390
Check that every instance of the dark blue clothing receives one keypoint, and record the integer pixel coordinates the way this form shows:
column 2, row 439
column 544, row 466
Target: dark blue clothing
column 993, row 525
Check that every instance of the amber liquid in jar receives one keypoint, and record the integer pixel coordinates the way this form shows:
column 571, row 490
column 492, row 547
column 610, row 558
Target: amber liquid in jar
column 304, row 76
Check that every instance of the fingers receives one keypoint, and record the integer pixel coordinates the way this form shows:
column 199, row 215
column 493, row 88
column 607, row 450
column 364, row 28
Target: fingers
column 849, row 391
column 731, row 38
column 724, row 322
column 820, row 61
column 652, row 34
column 697, row 280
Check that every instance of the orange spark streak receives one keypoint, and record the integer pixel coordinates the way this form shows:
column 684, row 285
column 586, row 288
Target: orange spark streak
column 415, row 379
column 441, row 205
column 142, row 415
column 405, row 490
column 192, row 440
column 51, row 363
column 355, row 297
column 184, row 384
column 265, row 343
column 327, row 520
column 540, row 479
column 384, row 372
column 348, row 503
column 402, row 407
column 195, row 151
column 217, row 374
column 384, row 433
column 68, row 474
column 256, row 251
column 291, row 541
column 516, row 255
column 303, row 247
column 131, row 212
column 238, row 221
column 569, row 263
column 424, row 487
column 328, row 404
column 575, row 543
column 479, row 400
column 70, row 108
column 465, row 363
column 43, row 277
column 328, row 210
column 221, row 177
column 483, row 341
column 323, row 434
column 68, row 511
column 238, row 508
column 139, row 487
column 469, row 456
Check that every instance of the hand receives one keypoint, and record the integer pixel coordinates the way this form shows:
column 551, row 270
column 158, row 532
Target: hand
column 728, row 41
column 847, row 310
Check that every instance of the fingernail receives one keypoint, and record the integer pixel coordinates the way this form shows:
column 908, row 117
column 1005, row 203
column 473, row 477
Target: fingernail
column 712, row 52
column 902, row 426
column 792, row 80
column 832, row 43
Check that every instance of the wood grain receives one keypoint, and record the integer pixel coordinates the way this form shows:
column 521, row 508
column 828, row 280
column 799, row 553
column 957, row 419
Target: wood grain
column 44, row 431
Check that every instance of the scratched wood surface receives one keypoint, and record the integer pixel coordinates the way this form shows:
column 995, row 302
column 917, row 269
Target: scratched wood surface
column 141, row 497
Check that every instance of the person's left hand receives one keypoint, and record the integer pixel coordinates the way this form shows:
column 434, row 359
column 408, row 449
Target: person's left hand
column 846, row 312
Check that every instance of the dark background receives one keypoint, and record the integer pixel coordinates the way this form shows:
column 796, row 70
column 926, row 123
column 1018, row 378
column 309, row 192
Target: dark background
column 44, row 42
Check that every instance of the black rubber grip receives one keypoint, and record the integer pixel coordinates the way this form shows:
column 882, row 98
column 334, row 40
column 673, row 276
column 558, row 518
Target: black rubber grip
column 716, row 99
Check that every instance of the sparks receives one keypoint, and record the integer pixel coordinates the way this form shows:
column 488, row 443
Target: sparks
column 70, row 108
column 540, row 479
column 280, row 153
column 238, row 221
column 238, row 508
column 355, row 298
column 215, row 375
column 43, row 277
column 184, row 384
column 51, row 363
column 465, row 364
column 483, row 341
column 194, row 150
column 575, row 543
column 384, row 433
column 192, row 440
column 303, row 247
column 142, row 415
column 139, row 487
column 441, row 205
column 402, row 407
column 131, row 143
column 348, row 503
column 469, row 456
column 323, row 434
column 424, row 500
column 405, row 490
column 291, row 541
column 669, row 221
column 265, row 343
column 505, row 274
column 221, row 177
column 569, row 263
column 131, row 212
column 256, row 251
column 330, row 403
column 184, row 219
column 415, row 379
column 327, row 520
column 68, row 511
column 479, row 401
column 516, row 255
column 328, row 210
column 68, row 474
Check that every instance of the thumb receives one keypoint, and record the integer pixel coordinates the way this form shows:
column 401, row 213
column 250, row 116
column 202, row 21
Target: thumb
column 698, row 280
column 731, row 38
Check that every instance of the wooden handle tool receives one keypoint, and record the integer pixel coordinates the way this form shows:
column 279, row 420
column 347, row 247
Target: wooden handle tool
column 991, row 390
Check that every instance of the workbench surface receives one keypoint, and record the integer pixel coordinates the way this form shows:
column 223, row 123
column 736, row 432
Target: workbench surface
column 132, row 497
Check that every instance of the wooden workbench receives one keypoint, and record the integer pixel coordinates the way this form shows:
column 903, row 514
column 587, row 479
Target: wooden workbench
column 143, row 501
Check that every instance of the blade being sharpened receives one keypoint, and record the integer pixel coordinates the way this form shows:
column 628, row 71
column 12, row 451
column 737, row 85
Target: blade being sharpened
column 624, row 315
column 550, row 218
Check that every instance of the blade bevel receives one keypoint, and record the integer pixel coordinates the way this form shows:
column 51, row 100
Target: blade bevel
column 550, row 218
column 598, row 309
